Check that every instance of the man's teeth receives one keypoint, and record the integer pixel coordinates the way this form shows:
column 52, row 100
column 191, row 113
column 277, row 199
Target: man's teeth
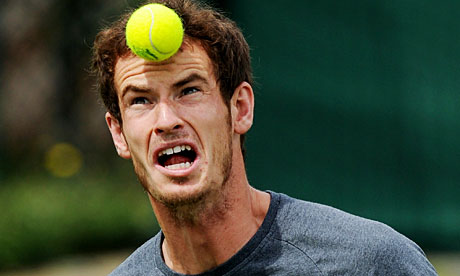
column 176, row 149
column 179, row 166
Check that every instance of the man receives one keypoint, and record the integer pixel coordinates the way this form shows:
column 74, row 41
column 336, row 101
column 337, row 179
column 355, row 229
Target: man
column 182, row 122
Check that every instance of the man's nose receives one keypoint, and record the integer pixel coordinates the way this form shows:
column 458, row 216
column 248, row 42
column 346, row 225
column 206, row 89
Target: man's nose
column 167, row 119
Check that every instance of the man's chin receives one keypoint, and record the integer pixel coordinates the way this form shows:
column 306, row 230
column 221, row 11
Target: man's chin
column 181, row 197
column 188, row 207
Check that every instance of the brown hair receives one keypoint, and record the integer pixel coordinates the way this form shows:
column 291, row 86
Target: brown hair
column 222, row 40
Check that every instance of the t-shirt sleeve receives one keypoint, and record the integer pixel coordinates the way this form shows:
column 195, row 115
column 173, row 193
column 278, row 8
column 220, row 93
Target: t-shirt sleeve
column 397, row 255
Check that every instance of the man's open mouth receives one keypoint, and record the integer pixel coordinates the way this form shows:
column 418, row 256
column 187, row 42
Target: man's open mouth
column 176, row 158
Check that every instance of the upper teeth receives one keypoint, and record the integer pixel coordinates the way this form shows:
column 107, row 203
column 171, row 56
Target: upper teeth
column 175, row 149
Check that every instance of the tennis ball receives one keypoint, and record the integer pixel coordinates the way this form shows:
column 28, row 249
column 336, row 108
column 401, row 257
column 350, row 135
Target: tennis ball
column 154, row 32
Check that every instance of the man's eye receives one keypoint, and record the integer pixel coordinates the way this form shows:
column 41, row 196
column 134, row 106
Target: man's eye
column 189, row 90
column 140, row 100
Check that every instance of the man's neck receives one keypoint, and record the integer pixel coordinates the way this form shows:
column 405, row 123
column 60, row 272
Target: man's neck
column 193, row 248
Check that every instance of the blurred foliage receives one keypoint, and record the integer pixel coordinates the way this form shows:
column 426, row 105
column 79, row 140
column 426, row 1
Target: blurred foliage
column 43, row 217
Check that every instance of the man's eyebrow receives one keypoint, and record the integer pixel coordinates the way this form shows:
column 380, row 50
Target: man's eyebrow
column 190, row 78
column 134, row 88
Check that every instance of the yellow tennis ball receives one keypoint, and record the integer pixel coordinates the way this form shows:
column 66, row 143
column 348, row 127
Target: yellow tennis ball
column 154, row 32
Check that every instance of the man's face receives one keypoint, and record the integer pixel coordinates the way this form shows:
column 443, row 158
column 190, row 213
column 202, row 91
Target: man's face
column 176, row 126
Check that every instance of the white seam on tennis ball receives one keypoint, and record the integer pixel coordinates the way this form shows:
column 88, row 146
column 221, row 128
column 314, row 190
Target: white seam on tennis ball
column 150, row 34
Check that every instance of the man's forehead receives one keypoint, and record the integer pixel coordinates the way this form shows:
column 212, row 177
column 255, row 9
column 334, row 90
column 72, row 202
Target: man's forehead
column 190, row 51
column 191, row 55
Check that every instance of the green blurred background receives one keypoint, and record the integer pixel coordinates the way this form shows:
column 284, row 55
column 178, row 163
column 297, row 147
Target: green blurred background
column 357, row 106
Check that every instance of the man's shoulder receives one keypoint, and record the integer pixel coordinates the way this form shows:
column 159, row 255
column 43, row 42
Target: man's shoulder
column 334, row 239
column 141, row 261
column 300, row 217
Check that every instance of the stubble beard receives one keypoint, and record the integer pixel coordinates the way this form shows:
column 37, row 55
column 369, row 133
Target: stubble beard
column 210, row 203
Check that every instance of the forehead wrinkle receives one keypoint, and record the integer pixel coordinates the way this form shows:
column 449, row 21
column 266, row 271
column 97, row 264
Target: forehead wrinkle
column 136, row 89
column 124, row 69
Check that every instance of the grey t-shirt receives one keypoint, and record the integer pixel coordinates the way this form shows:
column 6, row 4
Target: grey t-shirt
column 303, row 238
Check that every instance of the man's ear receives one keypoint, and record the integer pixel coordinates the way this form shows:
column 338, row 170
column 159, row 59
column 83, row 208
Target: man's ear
column 242, row 106
column 117, row 136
